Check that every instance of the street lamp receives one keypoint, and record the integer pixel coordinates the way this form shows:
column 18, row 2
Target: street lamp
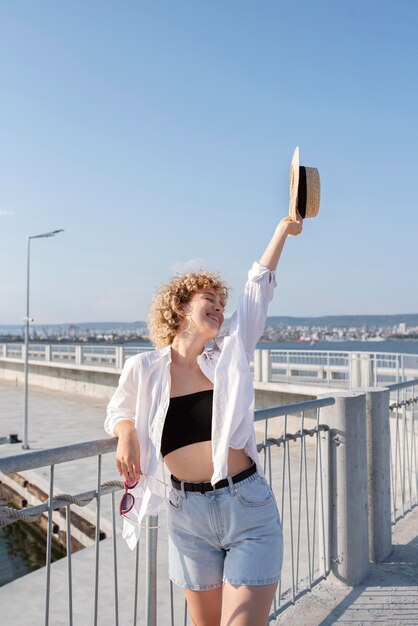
column 27, row 320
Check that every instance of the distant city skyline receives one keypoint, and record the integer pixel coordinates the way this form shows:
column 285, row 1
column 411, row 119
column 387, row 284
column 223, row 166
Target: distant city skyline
column 378, row 333
column 407, row 320
column 159, row 136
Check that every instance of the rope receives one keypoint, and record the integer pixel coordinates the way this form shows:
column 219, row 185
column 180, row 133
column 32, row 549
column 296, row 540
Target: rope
column 3, row 493
column 8, row 514
column 398, row 405
column 271, row 441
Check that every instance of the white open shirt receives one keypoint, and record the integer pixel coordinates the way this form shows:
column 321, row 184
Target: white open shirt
column 143, row 396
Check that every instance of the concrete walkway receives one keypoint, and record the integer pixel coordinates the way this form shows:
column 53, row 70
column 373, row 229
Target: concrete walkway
column 58, row 419
column 388, row 596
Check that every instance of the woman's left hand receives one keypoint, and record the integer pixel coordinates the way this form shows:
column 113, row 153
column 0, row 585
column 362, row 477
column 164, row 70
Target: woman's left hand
column 293, row 227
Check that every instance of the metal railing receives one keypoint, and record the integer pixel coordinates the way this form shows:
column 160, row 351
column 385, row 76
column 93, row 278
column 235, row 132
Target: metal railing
column 335, row 369
column 52, row 458
column 304, row 460
column 339, row 369
column 77, row 354
column 292, row 464
column 297, row 478
column 403, row 449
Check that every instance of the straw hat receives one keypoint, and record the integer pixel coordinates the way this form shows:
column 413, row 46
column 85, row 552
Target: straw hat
column 304, row 189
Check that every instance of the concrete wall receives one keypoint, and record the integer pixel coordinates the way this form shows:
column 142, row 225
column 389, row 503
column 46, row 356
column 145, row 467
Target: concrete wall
column 96, row 382
column 265, row 399
column 81, row 380
column 100, row 382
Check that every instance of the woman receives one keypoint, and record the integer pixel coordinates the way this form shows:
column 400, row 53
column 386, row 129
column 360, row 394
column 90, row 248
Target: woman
column 190, row 409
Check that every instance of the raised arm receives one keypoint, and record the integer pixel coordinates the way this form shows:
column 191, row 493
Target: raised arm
column 272, row 253
column 250, row 316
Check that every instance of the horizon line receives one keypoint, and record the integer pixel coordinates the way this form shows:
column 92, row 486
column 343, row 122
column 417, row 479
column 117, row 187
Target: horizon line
column 268, row 316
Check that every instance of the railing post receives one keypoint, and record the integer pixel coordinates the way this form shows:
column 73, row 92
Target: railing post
column 257, row 366
column 48, row 353
column 378, row 461
column 366, row 370
column 354, row 370
column 324, row 505
column 328, row 375
column 151, row 570
column 119, row 357
column 265, row 366
column 78, row 355
column 349, row 537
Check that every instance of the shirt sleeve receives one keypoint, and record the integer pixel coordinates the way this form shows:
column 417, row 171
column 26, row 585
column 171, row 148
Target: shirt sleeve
column 250, row 317
column 122, row 405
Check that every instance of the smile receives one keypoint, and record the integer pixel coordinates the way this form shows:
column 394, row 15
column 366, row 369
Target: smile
column 216, row 319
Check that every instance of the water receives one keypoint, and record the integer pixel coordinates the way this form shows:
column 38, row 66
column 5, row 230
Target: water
column 23, row 550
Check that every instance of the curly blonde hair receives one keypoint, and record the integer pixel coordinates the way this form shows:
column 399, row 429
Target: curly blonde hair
column 166, row 312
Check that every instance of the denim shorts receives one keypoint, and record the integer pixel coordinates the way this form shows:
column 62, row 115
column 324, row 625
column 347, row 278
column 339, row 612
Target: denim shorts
column 229, row 535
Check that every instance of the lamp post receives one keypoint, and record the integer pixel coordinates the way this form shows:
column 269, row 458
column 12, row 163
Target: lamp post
column 27, row 320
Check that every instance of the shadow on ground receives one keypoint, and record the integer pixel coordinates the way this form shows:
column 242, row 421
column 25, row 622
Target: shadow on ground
column 388, row 595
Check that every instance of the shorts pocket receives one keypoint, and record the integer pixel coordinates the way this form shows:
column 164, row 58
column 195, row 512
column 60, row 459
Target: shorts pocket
column 175, row 500
column 256, row 493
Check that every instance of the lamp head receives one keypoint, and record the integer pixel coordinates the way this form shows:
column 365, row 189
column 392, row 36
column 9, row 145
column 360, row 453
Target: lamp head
column 50, row 234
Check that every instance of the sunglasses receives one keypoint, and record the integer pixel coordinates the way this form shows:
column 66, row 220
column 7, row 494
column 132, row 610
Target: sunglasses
column 128, row 500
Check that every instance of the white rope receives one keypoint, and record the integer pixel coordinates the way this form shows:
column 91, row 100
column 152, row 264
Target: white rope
column 8, row 514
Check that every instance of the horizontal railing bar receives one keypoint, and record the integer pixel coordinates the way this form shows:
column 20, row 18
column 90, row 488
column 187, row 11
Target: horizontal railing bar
column 408, row 383
column 54, row 456
column 279, row 411
column 62, row 500
column 72, row 452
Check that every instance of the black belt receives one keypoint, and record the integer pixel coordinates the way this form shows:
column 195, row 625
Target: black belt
column 204, row 487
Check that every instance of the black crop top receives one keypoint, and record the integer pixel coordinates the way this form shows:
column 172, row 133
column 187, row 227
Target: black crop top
column 188, row 420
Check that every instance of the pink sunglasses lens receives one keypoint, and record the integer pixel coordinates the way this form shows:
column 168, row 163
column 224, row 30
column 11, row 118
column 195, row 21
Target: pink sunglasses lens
column 126, row 503
column 130, row 484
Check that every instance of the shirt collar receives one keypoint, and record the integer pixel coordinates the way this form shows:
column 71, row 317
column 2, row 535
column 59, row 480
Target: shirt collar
column 166, row 351
column 162, row 352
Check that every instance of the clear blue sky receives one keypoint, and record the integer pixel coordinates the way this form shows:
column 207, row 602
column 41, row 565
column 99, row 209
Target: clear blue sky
column 159, row 134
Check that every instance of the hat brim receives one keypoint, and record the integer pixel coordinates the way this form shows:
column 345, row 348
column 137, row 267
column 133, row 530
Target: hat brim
column 294, row 184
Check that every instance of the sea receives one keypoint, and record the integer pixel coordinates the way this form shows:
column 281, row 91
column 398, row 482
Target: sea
column 23, row 550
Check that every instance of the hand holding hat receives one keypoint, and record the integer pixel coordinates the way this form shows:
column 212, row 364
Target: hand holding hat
column 304, row 189
column 293, row 226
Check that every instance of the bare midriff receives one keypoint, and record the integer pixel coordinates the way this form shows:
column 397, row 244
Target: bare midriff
column 193, row 463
